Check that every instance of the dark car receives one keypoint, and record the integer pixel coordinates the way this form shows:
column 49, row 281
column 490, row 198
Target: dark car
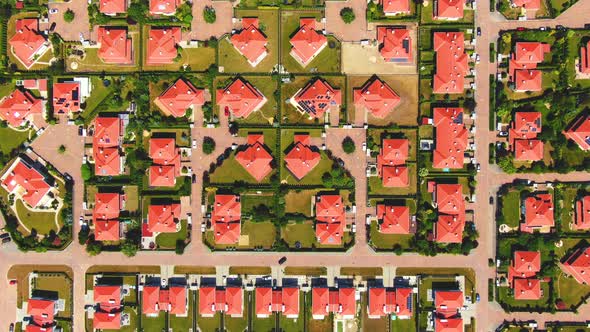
column 491, row 199
column 6, row 240
column 194, row 178
column 11, row 327
column 4, row 235
column 478, row 31
column 560, row 27
column 282, row 260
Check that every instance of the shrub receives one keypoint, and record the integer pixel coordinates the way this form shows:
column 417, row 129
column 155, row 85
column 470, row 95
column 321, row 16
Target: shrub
column 208, row 145
column 69, row 16
column 129, row 249
column 348, row 145
column 209, row 15
column 179, row 247
column 347, row 15
column 86, row 172
column 61, row 149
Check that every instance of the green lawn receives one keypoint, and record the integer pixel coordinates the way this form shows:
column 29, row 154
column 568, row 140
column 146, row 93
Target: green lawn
column 231, row 171
column 505, row 296
column 511, row 208
column 260, row 234
column 570, row 291
column 97, row 96
column 168, row 240
column 42, row 222
column 304, row 233
column 7, row 88
column 251, row 200
column 263, row 324
column 58, row 283
column 208, row 324
column 567, row 209
column 238, row 324
column 154, row 324
column 300, row 201
column 11, row 139
column 294, row 325
column 427, row 16
column 132, row 320
column 183, row 323
column 388, row 241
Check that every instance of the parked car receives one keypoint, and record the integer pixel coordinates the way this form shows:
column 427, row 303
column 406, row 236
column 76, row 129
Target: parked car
column 491, row 199
column 11, row 327
column 478, row 31
column 194, row 178
column 12, row 282
column 476, row 297
column 53, row 11
column 478, row 168
column 4, row 235
column 226, row 111
column 282, row 260
column 520, row 29
column 194, row 144
column 364, row 146
column 6, row 240
column 560, row 27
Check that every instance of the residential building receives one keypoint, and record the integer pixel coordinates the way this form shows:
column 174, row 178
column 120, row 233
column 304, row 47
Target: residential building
column 451, row 63
column 112, row 7
column 302, row 158
column 18, row 108
column 162, row 45
column 330, row 219
column 391, row 161
column 41, row 311
column 115, row 45
column 255, row 159
column 527, row 4
column 395, row 7
column 338, row 301
column 577, row 265
column 538, row 213
column 240, row 98
column 173, row 299
column 284, row 300
column 164, row 7
column 523, row 63
column 29, row 182
column 393, row 219
column 107, row 207
column 395, row 44
column 250, row 41
column 448, row 324
column 376, row 97
column 522, row 136
column 163, row 218
column 106, row 142
column 522, row 275
column 582, row 214
column 67, row 97
column 307, row 42
column 390, row 301
column 579, row 131
column 316, row 98
column 28, row 43
column 165, row 162
column 179, row 97
column 451, row 138
column 448, row 303
column 451, row 213
column 450, row 10
column 225, row 219
column 585, row 58
column 229, row 300
column 107, row 313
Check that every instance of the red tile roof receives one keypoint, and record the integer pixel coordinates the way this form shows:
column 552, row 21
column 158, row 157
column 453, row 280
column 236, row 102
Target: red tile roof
column 339, row 301
column 395, row 6
column 18, row 106
column 66, row 97
column 448, row 303
column 527, row 289
column 166, row 162
column 149, row 300
column 162, row 45
column 530, row 52
column 107, row 230
column 526, row 264
column 578, row 265
column 302, row 158
column 27, row 42
column 522, row 64
column 255, row 159
column 316, row 98
column 234, row 301
column 108, row 298
column 107, row 162
column 105, row 145
column 538, row 212
column 250, row 41
column 585, row 59
column 27, row 182
column 528, row 150
column 106, row 320
column 42, row 311
column 115, row 45
column 240, row 98
column 35, row 84
column 107, row 205
column 449, row 228
column 283, row 300
column 582, row 216
column 451, row 62
column 164, row 7
column 395, row 176
column 449, row 199
column 448, row 9
column 579, row 131
column 179, row 97
column 173, row 300
column 393, row 219
column 395, row 44
column 330, row 219
column 228, row 300
column 528, row 4
column 164, row 218
column 113, row 7
column 385, row 301
column 377, row 97
column 525, row 127
column 35, row 328
column 451, row 213
column 307, row 43
column 528, row 80
column 448, row 324
column 225, row 219
column 451, row 138
column 393, row 154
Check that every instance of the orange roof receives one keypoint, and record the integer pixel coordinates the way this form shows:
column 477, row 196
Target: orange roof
column 162, row 45
column 115, row 46
column 393, row 152
column 526, row 264
column 234, row 301
column 339, row 301
column 149, row 300
column 18, row 106
column 330, row 219
column 250, row 41
column 107, row 205
column 173, row 300
column 164, row 218
column 448, row 303
column 526, row 125
column 66, row 97
column 166, row 162
column 448, row 324
column 451, row 62
column 385, row 301
column 283, row 300
column 449, row 228
column 448, row 9
column 395, row 176
column 108, row 298
column 42, row 311
column 578, row 265
column 307, row 43
column 302, row 158
column 316, row 98
column 393, row 219
column 579, row 131
column 163, row 7
column 225, row 218
column 528, row 4
column 107, row 132
column 106, row 320
column 530, row 52
column 30, row 184
column 449, row 199
column 582, row 218
column 107, row 162
column 228, row 300
column 538, row 212
column 395, row 6
column 107, row 230
column 395, row 44
column 527, row 289
column 528, row 150
column 451, row 138
column 255, row 159
column 31, row 327
column 585, row 59
column 27, row 41
column 240, row 98
column 528, row 80
column 377, row 97
column 179, row 97
column 113, row 7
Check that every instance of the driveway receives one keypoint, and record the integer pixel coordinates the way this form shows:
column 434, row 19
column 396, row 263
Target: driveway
column 201, row 30
column 78, row 27
column 353, row 32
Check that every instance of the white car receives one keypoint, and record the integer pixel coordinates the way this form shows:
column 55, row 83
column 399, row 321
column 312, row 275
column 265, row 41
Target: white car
column 364, row 146
column 53, row 11
column 477, row 58
column 194, row 144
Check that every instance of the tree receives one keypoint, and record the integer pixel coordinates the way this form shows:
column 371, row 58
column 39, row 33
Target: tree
column 423, row 172
column 347, row 15
column 209, row 15
column 208, row 145
column 86, row 172
column 94, row 248
column 61, row 149
column 348, row 145
column 180, row 247
column 129, row 249
column 69, row 15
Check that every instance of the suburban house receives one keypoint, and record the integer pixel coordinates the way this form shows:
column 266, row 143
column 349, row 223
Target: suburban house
column 250, row 41
column 450, row 10
column 579, row 131
column 538, row 213
column 446, row 315
column 28, row 43
column 302, row 158
column 577, row 265
column 522, row 275
column 179, row 97
column 395, row 44
column 29, row 182
column 164, row 7
column 42, row 314
column 522, row 136
column 585, row 59
column 316, row 98
column 240, row 98
column 391, row 162
column 69, row 94
column 451, row 212
column 18, row 108
column 395, row 7
column 522, row 64
column 582, row 214
column 393, row 219
column 112, row 7
column 527, row 4
column 451, row 63
column 376, row 97
column 384, row 301
column 451, row 138
column 106, row 143
column 107, row 315
column 163, row 218
column 173, row 299
column 307, row 42
column 165, row 162
column 255, row 159
column 115, row 46
column 229, row 300
column 162, row 45
column 225, row 219
column 339, row 301
column 330, row 219
column 107, row 207
column 284, row 300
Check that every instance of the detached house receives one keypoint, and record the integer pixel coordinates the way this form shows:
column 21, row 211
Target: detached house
column 27, row 181
column 240, row 98
column 106, row 144
column 28, row 44
column 19, row 107
column 307, row 42
column 330, row 219
column 250, row 41
column 179, row 97
column 376, row 97
column 316, row 98
column 302, row 158
column 225, row 219
column 228, row 300
column 255, row 159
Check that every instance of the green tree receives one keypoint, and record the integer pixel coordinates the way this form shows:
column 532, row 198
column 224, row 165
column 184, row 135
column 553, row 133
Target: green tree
column 86, row 172
column 69, row 15
column 348, row 145
column 208, row 145
column 209, row 15
column 129, row 249
column 347, row 15
column 61, row 149
column 94, row 248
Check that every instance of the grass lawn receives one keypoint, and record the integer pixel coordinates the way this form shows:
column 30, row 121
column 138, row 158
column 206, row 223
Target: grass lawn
column 376, row 184
column 388, row 241
column 263, row 324
column 511, row 208
column 305, row 270
column 252, row 270
column 132, row 202
column 251, row 200
column 7, row 88
column 154, row 324
column 406, row 325
column 60, row 285
column 132, row 320
column 168, row 240
column 97, row 96
column 428, row 18
column 268, row 113
column 505, row 296
column 361, row 271
column 231, row 171
column 183, row 323
column 42, row 222
column 300, row 201
column 569, row 290
column 567, row 208
column 185, row 269
column 314, row 177
column 11, row 139
column 260, row 234
column 303, row 233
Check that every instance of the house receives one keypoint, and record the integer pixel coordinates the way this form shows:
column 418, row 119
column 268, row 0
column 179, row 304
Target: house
column 162, row 45
column 448, row 303
column 389, row 301
column 522, row 273
column 522, row 136
column 393, row 219
column 316, row 98
column 376, row 97
column 451, row 63
column 451, row 213
column 164, row 7
column 28, row 43
column 19, row 107
column 163, row 218
column 582, row 214
column 395, row 7
column 451, row 138
column 107, row 207
column 538, row 214
column 448, row 324
column 67, row 97
column 112, row 7
column 450, row 10
column 307, row 42
column 28, row 182
column 108, row 301
column 339, row 301
column 330, row 219
column 165, row 162
column 391, row 161
column 240, row 98
column 115, row 45
column 225, row 219
column 579, row 131
column 255, row 158
column 527, row 289
column 283, row 300
column 522, row 64
column 229, row 300
column 585, row 59
column 172, row 299
column 35, row 328
column 179, row 97
column 395, row 44
column 527, row 4
column 108, row 136
column 41, row 312
column 528, row 80
column 250, row 41
column 302, row 158
column 577, row 265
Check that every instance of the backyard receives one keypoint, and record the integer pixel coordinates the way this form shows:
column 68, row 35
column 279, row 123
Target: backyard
column 168, row 240
column 42, row 222
column 55, row 284
column 153, row 324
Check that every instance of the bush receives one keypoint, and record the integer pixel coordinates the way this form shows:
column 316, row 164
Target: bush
column 129, row 249
column 61, row 149
column 208, row 145
column 348, row 145
column 69, row 16
column 86, row 172
column 179, row 247
column 209, row 15
column 347, row 15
